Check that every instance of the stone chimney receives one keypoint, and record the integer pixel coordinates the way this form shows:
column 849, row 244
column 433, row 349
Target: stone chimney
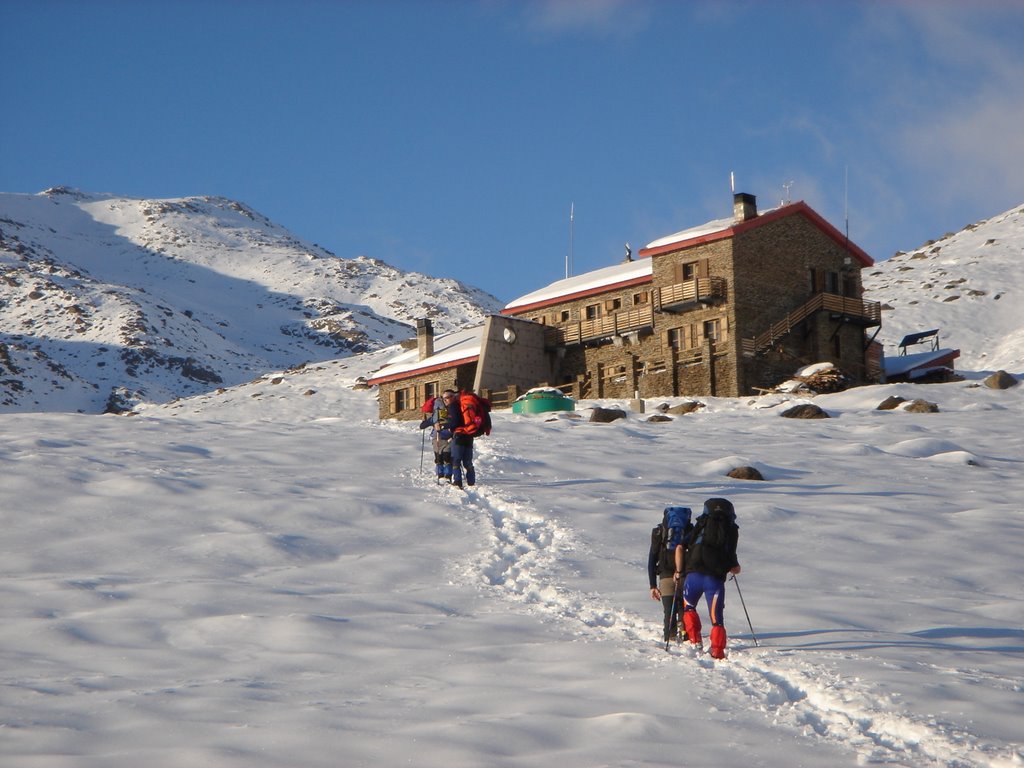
column 424, row 337
column 744, row 207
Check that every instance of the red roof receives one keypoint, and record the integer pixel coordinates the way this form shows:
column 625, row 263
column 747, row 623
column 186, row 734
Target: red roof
column 792, row 209
column 420, row 371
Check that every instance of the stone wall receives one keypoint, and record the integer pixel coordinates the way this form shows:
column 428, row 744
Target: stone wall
column 518, row 359
column 413, row 392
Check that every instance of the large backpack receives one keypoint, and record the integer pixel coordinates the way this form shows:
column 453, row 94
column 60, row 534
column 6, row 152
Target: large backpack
column 714, row 538
column 675, row 529
column 439, row 415
column 476, row 415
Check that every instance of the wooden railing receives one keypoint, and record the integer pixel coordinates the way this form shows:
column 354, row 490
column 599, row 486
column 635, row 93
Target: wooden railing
column 614, row 324
column 867, row 312
column 690, row 291
column 636, row 318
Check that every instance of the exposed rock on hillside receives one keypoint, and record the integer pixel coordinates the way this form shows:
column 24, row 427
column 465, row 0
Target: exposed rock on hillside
column 107, row 300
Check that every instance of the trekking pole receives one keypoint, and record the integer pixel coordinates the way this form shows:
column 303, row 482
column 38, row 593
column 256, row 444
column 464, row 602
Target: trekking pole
column 423, row 445
column 743, row 603
column 671, row 615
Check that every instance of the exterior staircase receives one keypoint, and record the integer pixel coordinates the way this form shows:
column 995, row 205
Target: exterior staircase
column 866, row 313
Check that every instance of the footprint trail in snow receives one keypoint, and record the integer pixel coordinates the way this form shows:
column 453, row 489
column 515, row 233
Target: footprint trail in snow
column 521, row 563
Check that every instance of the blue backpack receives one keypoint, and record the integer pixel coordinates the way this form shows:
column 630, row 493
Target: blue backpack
column 676, row 527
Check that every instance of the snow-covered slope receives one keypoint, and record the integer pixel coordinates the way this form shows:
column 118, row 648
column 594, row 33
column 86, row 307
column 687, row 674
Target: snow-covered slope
column 268, row 577
column 155, row 299
column 968, row 284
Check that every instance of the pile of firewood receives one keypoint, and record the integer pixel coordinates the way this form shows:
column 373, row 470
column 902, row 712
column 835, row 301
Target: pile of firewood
column 819, row 382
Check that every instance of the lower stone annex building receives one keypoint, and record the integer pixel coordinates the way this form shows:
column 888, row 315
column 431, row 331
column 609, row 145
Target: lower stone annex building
column 723, row 309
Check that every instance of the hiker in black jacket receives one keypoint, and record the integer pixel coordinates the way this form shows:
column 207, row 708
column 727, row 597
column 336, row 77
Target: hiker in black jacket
column 666, row 546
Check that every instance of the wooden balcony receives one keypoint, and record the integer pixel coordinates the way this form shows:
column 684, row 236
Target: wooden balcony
column 619, row 323
column 681, row 297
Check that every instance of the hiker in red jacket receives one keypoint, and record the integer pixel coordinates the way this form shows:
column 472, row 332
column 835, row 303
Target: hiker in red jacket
column 466, row 422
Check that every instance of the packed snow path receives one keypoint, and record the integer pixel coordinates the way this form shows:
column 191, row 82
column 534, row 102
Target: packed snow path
column 524, row 563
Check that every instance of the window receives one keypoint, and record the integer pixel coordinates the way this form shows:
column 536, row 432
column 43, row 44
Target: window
column 564, row 316
column 683, row 338
column 677, row 338
column 831, row 282
column 691, row 270
column 712, row 329
column 613, row 304
column 401, row 400
column 593, row 311
column 431, row 389
column 641, row 298
column 850, row 286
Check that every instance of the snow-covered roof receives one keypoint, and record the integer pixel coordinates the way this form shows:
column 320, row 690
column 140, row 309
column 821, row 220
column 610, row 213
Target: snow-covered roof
column 449, row 349
column 598, row 279
column 710, row 228
column 920, row 362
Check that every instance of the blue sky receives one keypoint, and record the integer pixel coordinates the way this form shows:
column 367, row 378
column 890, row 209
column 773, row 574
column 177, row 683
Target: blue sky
column 451, row 138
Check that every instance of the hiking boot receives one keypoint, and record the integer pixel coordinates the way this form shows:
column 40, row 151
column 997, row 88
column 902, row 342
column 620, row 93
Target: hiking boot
column 718, row 640
column 457, row 484
column 691, row 623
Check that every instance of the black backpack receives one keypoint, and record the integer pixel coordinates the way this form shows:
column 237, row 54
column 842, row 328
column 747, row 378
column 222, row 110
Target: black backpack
column 714, row 538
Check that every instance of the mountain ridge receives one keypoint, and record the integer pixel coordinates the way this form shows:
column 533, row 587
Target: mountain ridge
column 108, row 300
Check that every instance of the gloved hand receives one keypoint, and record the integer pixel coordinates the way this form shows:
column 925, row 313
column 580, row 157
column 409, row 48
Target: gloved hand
column 445, row 434
column 425, row 423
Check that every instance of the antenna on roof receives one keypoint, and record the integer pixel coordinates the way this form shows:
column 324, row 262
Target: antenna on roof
column 732, row 182
column 785, row 186
column 846, row 200
column 568, row 256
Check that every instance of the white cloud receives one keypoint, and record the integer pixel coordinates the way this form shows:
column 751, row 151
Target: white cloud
column 966, row 105
column 613, row 18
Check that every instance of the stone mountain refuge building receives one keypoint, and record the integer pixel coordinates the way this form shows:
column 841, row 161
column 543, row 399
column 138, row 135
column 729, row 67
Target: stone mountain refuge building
column 725, row 309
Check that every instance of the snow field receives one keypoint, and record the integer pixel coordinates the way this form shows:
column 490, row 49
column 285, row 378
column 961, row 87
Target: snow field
column 263, row 578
